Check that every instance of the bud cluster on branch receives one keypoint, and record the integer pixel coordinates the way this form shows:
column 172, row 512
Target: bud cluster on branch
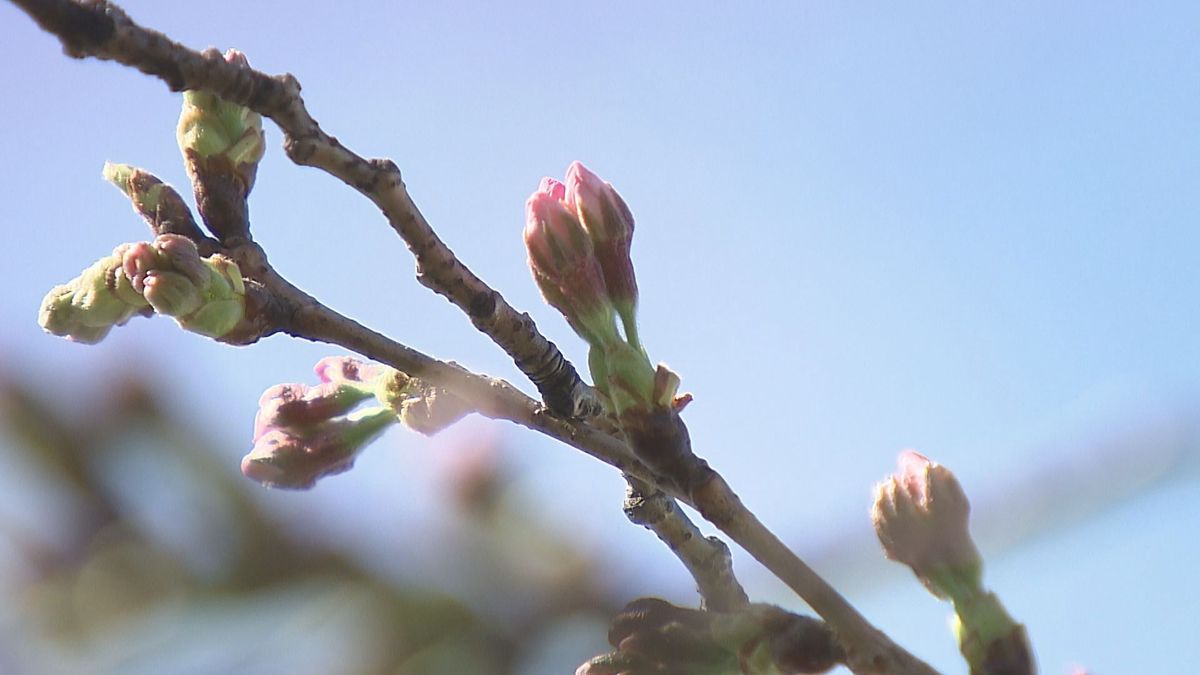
column 578, row 234
column 167, row 276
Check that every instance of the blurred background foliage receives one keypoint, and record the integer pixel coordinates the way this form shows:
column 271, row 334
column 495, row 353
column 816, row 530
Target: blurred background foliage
column 145, row 553
column 130, row 544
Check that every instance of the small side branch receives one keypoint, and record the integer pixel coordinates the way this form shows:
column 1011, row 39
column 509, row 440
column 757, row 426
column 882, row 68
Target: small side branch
column 868, row 649
column 301, row 315
column 706, row 558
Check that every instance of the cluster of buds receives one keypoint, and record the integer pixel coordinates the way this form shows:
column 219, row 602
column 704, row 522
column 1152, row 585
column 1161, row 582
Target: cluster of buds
column 304, row 433
column 168, row 276
column 921, row 516
column 654, row 636
column 578, row 235
column 222, row 144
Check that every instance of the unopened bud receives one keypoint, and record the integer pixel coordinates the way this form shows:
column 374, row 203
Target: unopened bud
column 144, row 190
column 920, row 515
column 301, row 406
column 90, row 305
column 222, row 144
column 295, row 458
column 564, row 267
column 204, row 295
column 631, row 379
column 609, row 224
column 211, row 127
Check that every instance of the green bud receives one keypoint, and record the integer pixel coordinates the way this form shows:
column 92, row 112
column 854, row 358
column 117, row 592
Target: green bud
column 214, row 134
column 296, row 457
column 172, row 293
column 222, row 300
column 143, row 189
column 205, row 295
column 155, row 201
column 86, row 309
column 631, row 378
column 168, row 276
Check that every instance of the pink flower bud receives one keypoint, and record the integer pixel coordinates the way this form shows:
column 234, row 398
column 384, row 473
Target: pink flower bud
column 348, row 369
column 237, row 58
column 920, row 515
column 280, row 459
column 283, row 458
column 609, row 223
column 298, row 405
column 553, row 188
column 564, row 267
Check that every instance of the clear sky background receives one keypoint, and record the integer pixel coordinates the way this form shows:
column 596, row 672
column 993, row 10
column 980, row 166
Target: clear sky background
column 968, row 228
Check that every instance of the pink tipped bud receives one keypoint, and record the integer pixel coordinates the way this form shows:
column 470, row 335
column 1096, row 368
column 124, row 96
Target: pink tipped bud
column 553, row 188
column 920, row 515
column 237, row 58
column 295, row 457
column 564, row 267
column 609, row 223
column 604, row 214
column 347, row 369
column 298, row 405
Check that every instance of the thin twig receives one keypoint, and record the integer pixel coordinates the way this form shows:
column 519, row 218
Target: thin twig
column 868, row 649
column 706, row 558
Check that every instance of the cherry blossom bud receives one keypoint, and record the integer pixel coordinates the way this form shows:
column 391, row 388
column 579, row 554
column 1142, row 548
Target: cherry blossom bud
column 920, row 515
column 222, row 144
column 215, row 134
column 564, row 267
column 204, row 295
column 295, row 457
column 609, row 224
column 168, row 276
column 158, row 203
column 90, row 305
column 298, row 405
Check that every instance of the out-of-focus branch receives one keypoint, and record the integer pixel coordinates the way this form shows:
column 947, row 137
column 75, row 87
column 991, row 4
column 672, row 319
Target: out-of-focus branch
column 653, row 636
column 706, row 558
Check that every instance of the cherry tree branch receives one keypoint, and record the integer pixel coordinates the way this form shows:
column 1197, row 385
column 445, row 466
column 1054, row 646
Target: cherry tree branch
column 706, row 558
column 99, row 29
column 96, row 28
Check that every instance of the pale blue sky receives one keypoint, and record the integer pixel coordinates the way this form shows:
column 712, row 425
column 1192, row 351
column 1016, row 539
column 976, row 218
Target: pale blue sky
column 968, row 228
